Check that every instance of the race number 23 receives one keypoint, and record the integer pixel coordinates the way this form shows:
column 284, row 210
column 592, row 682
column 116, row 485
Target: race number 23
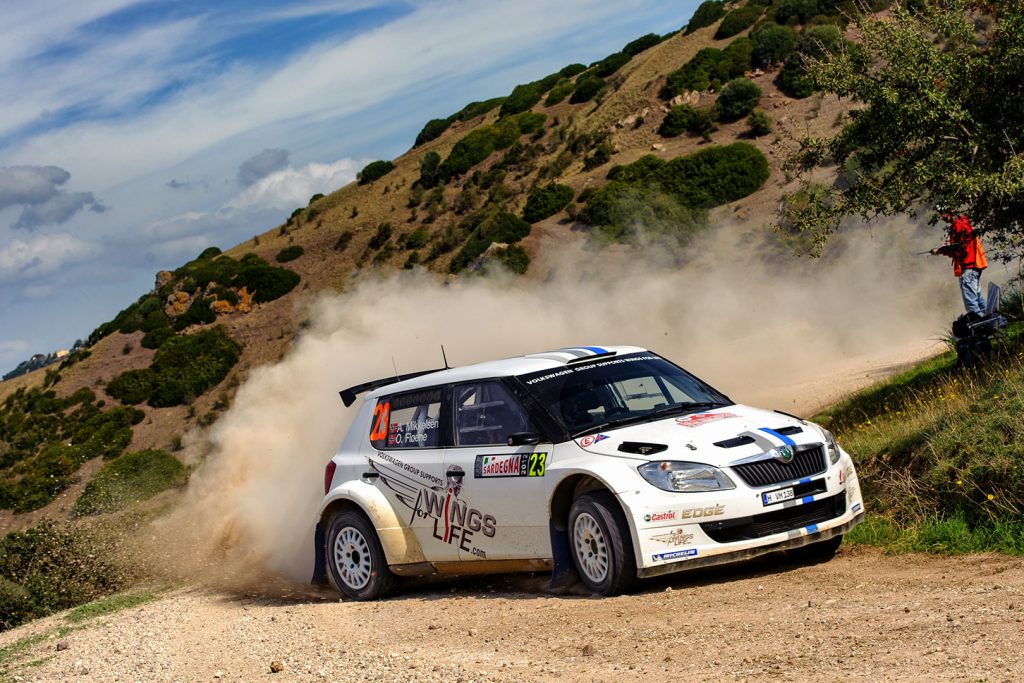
column 537, row 464
column 381, row 415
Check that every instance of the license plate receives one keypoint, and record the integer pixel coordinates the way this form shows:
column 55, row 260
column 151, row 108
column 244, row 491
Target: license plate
column 773, row 497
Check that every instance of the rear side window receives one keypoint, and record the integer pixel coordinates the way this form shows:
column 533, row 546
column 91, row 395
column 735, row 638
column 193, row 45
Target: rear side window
column 486, row 413
column 407, row 421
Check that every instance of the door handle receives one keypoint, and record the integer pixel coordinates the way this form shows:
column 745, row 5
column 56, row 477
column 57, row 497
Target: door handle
column 371, row 475
column 455, row 473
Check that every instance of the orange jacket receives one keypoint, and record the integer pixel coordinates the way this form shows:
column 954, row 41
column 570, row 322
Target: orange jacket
column 964, row 247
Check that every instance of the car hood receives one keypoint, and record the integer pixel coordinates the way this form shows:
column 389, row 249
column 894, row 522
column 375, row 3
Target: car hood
column 714, row 437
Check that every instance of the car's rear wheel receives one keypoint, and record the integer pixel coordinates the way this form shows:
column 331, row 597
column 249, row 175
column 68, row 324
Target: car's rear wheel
column 355, row 558
column 600, row 544
column 822, row 551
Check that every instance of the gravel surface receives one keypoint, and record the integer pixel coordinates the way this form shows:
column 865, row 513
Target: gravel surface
column 862, row 616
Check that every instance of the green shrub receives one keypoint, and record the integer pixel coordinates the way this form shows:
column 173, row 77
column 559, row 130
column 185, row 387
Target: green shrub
column 131, row 478
column 341, row 244
column 646, row 169
column 610, row 64
column 707, row 13
column 734, row 61
column 694, row 75
column 433, row 129
column 546, row 201
column 380, row 237
column 523, row 97
column 621, row 211
column 428, row 169
column 600, row 156
column 418, row 238
column 816, row 42
column 686, row 119
column 587, row 87
column 559, row 93
column 796, row 11
column 266, row 282
column 572, row 70
column 132, row 387
column 187, row 365
column 482, row 142
column 289, row 253
column 315, row 197
column 738, row 20
column 153, row 339
column 502, row 227
column 646, row 42
column 772, row 43
column 46, row 569
column 374, row 171
column 737, row 99
column 760, row 123
column 198, row 313
column 474, row 109
column 513, row 258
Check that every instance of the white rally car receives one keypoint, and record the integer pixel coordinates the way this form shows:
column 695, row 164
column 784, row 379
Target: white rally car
column 608, row 462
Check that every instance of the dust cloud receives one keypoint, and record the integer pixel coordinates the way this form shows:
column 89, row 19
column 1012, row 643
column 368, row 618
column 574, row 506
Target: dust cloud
column 761, row 328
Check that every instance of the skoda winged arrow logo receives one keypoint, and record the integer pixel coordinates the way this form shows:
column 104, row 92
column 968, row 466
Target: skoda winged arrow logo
column 784, row 454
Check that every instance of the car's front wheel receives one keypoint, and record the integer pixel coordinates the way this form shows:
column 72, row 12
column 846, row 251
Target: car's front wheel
column 601, row 548
column 356, row 559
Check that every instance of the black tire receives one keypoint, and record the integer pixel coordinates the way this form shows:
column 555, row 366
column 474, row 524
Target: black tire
column 822, row 551
column 355, row 558
column 600, row 544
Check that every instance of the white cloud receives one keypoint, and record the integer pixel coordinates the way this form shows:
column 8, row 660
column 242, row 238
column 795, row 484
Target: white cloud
column 292, row 187
column 12, row 347
column 24, row 260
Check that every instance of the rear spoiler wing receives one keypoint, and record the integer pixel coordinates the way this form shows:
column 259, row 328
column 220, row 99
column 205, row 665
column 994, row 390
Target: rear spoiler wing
column 348, row 396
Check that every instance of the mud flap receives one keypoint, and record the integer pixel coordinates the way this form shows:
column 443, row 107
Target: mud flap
column 319, row 562
column 563, row 574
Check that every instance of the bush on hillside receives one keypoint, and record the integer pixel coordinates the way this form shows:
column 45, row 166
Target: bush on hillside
column 572, row 70
column 646, row 42
column 686, row 119
column 131, row 387
column 154, row 338
column 188, row 365
column 796, row 11
column 559, row 93
column 587, row 88
column 610, row 64
column 199, row 313
column 344, row 239
column 816, row 42
column 737, row 99
column 289, row 253
column 738, row 20
column 546, row 201
column 46, row 569
column 488, row 228
column 759, row 122
column 374, row 171
column 482, row 142
column 428, row 169
column 524, row 97
column 513, row 258
column 707, row 13
column 475, row 109
column 131, row 478
column 772, row 43
column 623, row 212
column 432, row 130
column 380, row 237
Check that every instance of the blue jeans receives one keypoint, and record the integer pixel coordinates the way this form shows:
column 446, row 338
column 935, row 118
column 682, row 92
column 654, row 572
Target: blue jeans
column 970, row 289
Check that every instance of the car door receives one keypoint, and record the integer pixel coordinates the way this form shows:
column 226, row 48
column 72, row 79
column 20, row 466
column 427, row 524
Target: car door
column 407, row 466
column 501, row 511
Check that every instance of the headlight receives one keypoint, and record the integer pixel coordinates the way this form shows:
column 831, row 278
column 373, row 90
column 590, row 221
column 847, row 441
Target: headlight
column 688, row 477
column 832, row 446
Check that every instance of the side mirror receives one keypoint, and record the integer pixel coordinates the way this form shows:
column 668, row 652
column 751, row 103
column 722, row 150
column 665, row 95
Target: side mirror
column 523, row 439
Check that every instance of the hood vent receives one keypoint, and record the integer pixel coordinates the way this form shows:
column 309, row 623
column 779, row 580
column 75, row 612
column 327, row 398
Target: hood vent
column 792, row 429
column 640, row 448
column 735, row 441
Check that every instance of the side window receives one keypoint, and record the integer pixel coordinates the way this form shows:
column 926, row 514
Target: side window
column 407, row 421
column 486, row 413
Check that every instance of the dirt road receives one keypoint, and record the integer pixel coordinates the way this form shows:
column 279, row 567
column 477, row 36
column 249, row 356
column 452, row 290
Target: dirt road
column 862, row 616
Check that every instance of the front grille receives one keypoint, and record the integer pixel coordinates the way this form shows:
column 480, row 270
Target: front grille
column 786, row 519
column 806, row 463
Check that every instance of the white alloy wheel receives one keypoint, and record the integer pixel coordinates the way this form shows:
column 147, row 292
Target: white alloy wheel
column 591, row 547
column 352, row 558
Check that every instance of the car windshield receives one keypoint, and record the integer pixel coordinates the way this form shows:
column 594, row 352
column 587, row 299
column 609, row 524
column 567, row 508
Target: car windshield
column 618, row 391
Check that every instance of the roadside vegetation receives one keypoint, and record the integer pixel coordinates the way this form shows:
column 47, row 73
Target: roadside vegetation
column 939, row 454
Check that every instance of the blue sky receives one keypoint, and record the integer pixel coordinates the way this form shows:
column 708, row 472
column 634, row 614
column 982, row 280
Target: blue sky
column 134, row 134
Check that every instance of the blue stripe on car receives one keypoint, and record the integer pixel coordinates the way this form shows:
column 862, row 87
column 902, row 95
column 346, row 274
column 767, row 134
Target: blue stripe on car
column 781, row 437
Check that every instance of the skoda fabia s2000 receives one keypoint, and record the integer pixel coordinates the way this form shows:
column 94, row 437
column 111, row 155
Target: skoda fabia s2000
column 610, row 463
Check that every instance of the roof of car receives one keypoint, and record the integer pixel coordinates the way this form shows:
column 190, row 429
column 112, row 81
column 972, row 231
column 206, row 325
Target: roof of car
column 506, row 367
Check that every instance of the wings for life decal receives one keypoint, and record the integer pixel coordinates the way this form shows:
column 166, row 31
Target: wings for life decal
column 699, row 419
column 514, row 465
column 455, row 522
column 674, row 537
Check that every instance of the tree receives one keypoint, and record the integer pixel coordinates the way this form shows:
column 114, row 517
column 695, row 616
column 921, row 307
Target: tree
column 737, row 99
column 940, row 120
